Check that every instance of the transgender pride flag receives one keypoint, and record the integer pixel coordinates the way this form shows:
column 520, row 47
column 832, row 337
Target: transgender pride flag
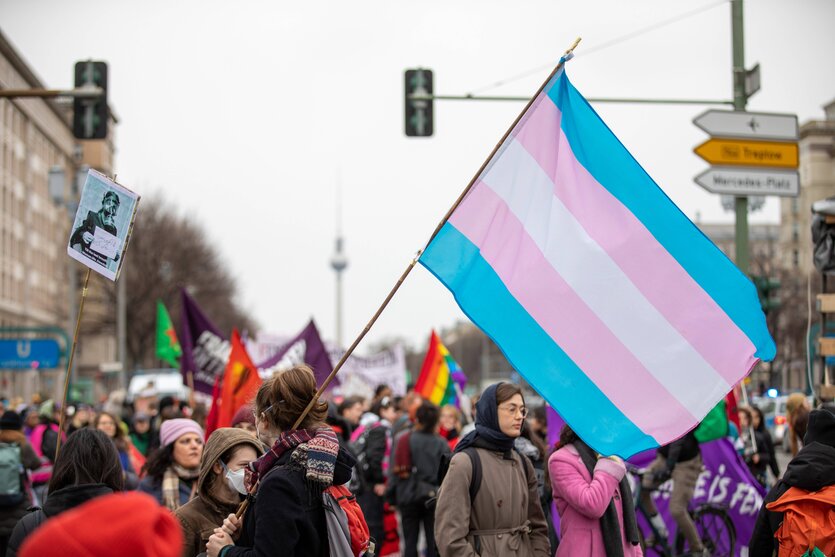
column 598, row 289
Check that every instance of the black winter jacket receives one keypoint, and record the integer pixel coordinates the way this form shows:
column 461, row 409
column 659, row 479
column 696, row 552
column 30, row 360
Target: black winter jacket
column 287, row 517
column 812, row 469
column 375, row 453
column 56, row 503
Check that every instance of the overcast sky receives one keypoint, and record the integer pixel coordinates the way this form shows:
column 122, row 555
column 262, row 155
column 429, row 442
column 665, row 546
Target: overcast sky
column 249, row 114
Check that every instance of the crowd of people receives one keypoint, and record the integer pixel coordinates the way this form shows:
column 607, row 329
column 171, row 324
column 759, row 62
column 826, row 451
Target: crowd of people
column 429, row 481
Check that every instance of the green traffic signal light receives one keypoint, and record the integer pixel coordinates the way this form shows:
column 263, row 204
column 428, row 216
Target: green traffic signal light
column 419, row 121
column 90, row 115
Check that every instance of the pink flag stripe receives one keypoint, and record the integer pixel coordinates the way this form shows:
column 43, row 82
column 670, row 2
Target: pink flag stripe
column 656, row 273
column 541, row 290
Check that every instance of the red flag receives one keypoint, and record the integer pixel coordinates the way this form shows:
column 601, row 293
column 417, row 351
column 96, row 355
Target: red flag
column 240, row 382
column 211, row 419
column 731, row 406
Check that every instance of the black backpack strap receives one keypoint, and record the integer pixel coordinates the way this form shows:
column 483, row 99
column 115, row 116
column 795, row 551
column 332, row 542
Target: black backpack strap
column 475, row 481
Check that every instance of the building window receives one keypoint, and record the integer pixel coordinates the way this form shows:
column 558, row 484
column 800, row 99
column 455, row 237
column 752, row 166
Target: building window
column 796, row 258
column 795, row 232
column 795, row 208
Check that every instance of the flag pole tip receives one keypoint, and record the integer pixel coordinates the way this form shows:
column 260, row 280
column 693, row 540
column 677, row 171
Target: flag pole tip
column 573, row 46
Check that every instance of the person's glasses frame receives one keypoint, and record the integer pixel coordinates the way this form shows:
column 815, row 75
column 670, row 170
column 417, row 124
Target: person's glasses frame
column 513, row 410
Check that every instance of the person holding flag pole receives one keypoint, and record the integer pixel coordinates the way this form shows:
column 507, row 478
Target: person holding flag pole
column 531, row 256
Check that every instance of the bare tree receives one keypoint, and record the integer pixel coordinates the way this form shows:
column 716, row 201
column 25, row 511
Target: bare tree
column 167, row 252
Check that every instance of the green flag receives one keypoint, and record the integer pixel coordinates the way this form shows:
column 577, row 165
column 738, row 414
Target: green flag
column 715, row 424
column 168, row 347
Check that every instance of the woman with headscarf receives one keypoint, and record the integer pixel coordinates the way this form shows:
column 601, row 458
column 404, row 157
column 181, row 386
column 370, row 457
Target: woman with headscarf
column 504, row 517
column 220, row 485
column 287, row 517
column 594, row 501
column 171, row 471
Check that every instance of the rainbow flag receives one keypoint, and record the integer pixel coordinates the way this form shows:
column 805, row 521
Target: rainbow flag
column 441, row 379
column 597, row 288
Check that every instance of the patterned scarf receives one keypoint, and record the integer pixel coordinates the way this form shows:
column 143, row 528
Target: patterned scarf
column 314, row 450
column 171, row 485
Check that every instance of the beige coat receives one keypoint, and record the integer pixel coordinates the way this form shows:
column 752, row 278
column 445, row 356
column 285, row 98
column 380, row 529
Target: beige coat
column 506, row 516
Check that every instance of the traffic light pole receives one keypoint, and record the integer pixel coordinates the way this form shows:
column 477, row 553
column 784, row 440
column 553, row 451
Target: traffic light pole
column 82, row 93
column 740, row 100
column 590, row 99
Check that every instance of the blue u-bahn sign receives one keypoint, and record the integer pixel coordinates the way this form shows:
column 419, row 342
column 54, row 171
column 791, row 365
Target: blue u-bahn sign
column 24, row 353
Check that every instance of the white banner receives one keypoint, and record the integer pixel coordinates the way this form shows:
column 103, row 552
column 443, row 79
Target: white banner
column 358, row 377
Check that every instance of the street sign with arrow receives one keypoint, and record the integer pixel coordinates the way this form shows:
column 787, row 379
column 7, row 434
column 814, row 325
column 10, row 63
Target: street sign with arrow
column 754, row 125
column 749, row 181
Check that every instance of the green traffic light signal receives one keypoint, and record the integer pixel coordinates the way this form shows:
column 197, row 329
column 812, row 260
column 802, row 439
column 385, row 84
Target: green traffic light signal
column 90, row 115
column 419, row 121
column 767, row 291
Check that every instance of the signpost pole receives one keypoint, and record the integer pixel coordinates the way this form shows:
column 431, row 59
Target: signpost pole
column 69, row 363
column 740, row 98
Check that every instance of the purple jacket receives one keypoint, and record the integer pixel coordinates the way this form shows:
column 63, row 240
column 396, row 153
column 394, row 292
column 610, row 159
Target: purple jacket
column 581, row 500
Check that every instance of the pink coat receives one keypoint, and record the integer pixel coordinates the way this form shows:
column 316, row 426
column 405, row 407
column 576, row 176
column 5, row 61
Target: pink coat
column 581, row 500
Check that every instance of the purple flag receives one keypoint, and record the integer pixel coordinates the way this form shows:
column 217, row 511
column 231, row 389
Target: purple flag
column 725, row 481
column 205, row 349
column 307, row 347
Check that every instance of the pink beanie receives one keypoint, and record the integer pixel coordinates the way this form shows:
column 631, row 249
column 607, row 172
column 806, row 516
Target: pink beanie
column 172, row 430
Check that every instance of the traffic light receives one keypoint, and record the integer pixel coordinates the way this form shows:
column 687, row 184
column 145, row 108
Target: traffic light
column 90, row 114
column 767, row 291
column 419, row 122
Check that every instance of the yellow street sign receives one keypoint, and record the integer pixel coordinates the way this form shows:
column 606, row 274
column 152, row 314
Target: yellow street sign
column 749, row 153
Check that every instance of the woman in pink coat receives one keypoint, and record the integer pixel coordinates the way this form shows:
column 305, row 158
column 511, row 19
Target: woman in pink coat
column 597, row 515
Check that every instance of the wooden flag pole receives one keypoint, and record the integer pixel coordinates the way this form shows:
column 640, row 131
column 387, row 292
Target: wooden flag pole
column 414, row 260
column 69, row 362
column 455, row 205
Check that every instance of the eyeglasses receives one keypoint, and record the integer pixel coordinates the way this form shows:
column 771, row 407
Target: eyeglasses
column 513, row 409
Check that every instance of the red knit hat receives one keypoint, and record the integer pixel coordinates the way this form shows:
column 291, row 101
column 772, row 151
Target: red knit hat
column 244, row 415
column 125, row 524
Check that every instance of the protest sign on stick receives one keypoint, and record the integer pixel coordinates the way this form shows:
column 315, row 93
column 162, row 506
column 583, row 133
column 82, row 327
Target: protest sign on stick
column 99, row 238
column 102, row 225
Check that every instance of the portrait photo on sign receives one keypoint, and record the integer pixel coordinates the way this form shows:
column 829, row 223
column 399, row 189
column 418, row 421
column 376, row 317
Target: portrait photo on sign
column 102, row 225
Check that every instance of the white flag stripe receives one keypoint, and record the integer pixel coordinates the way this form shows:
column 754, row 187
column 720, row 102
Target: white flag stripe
column 518, row 179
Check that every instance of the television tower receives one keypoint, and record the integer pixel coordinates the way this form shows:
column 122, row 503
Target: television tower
column 339, row 262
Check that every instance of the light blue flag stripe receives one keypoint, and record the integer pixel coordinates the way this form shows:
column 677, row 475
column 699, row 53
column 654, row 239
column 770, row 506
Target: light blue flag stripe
column 604, row 156
column 482, row 295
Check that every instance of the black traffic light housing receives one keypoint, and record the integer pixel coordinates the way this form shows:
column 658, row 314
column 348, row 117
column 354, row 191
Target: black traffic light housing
column 419, row 119
column 90, row 114
column 767, row 290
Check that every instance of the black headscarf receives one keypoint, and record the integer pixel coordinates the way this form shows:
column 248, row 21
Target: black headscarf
column 609, row 526
column 487, row 435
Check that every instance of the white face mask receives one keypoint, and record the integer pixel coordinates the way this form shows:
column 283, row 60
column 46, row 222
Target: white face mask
column 235, row 479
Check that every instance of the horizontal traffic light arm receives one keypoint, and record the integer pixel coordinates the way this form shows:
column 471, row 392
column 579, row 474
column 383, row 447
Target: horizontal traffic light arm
column 590, row 99
column 81, row 93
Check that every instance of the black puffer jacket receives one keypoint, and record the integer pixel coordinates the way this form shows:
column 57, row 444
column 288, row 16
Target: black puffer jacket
column 56, row 503
column 812, row 469
column 287, row 517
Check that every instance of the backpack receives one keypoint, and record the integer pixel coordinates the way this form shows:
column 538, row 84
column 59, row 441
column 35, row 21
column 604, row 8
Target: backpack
column 808, row 522
column 358, row 484
column 348, row 534
column 11, row 470
column 475, row 480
